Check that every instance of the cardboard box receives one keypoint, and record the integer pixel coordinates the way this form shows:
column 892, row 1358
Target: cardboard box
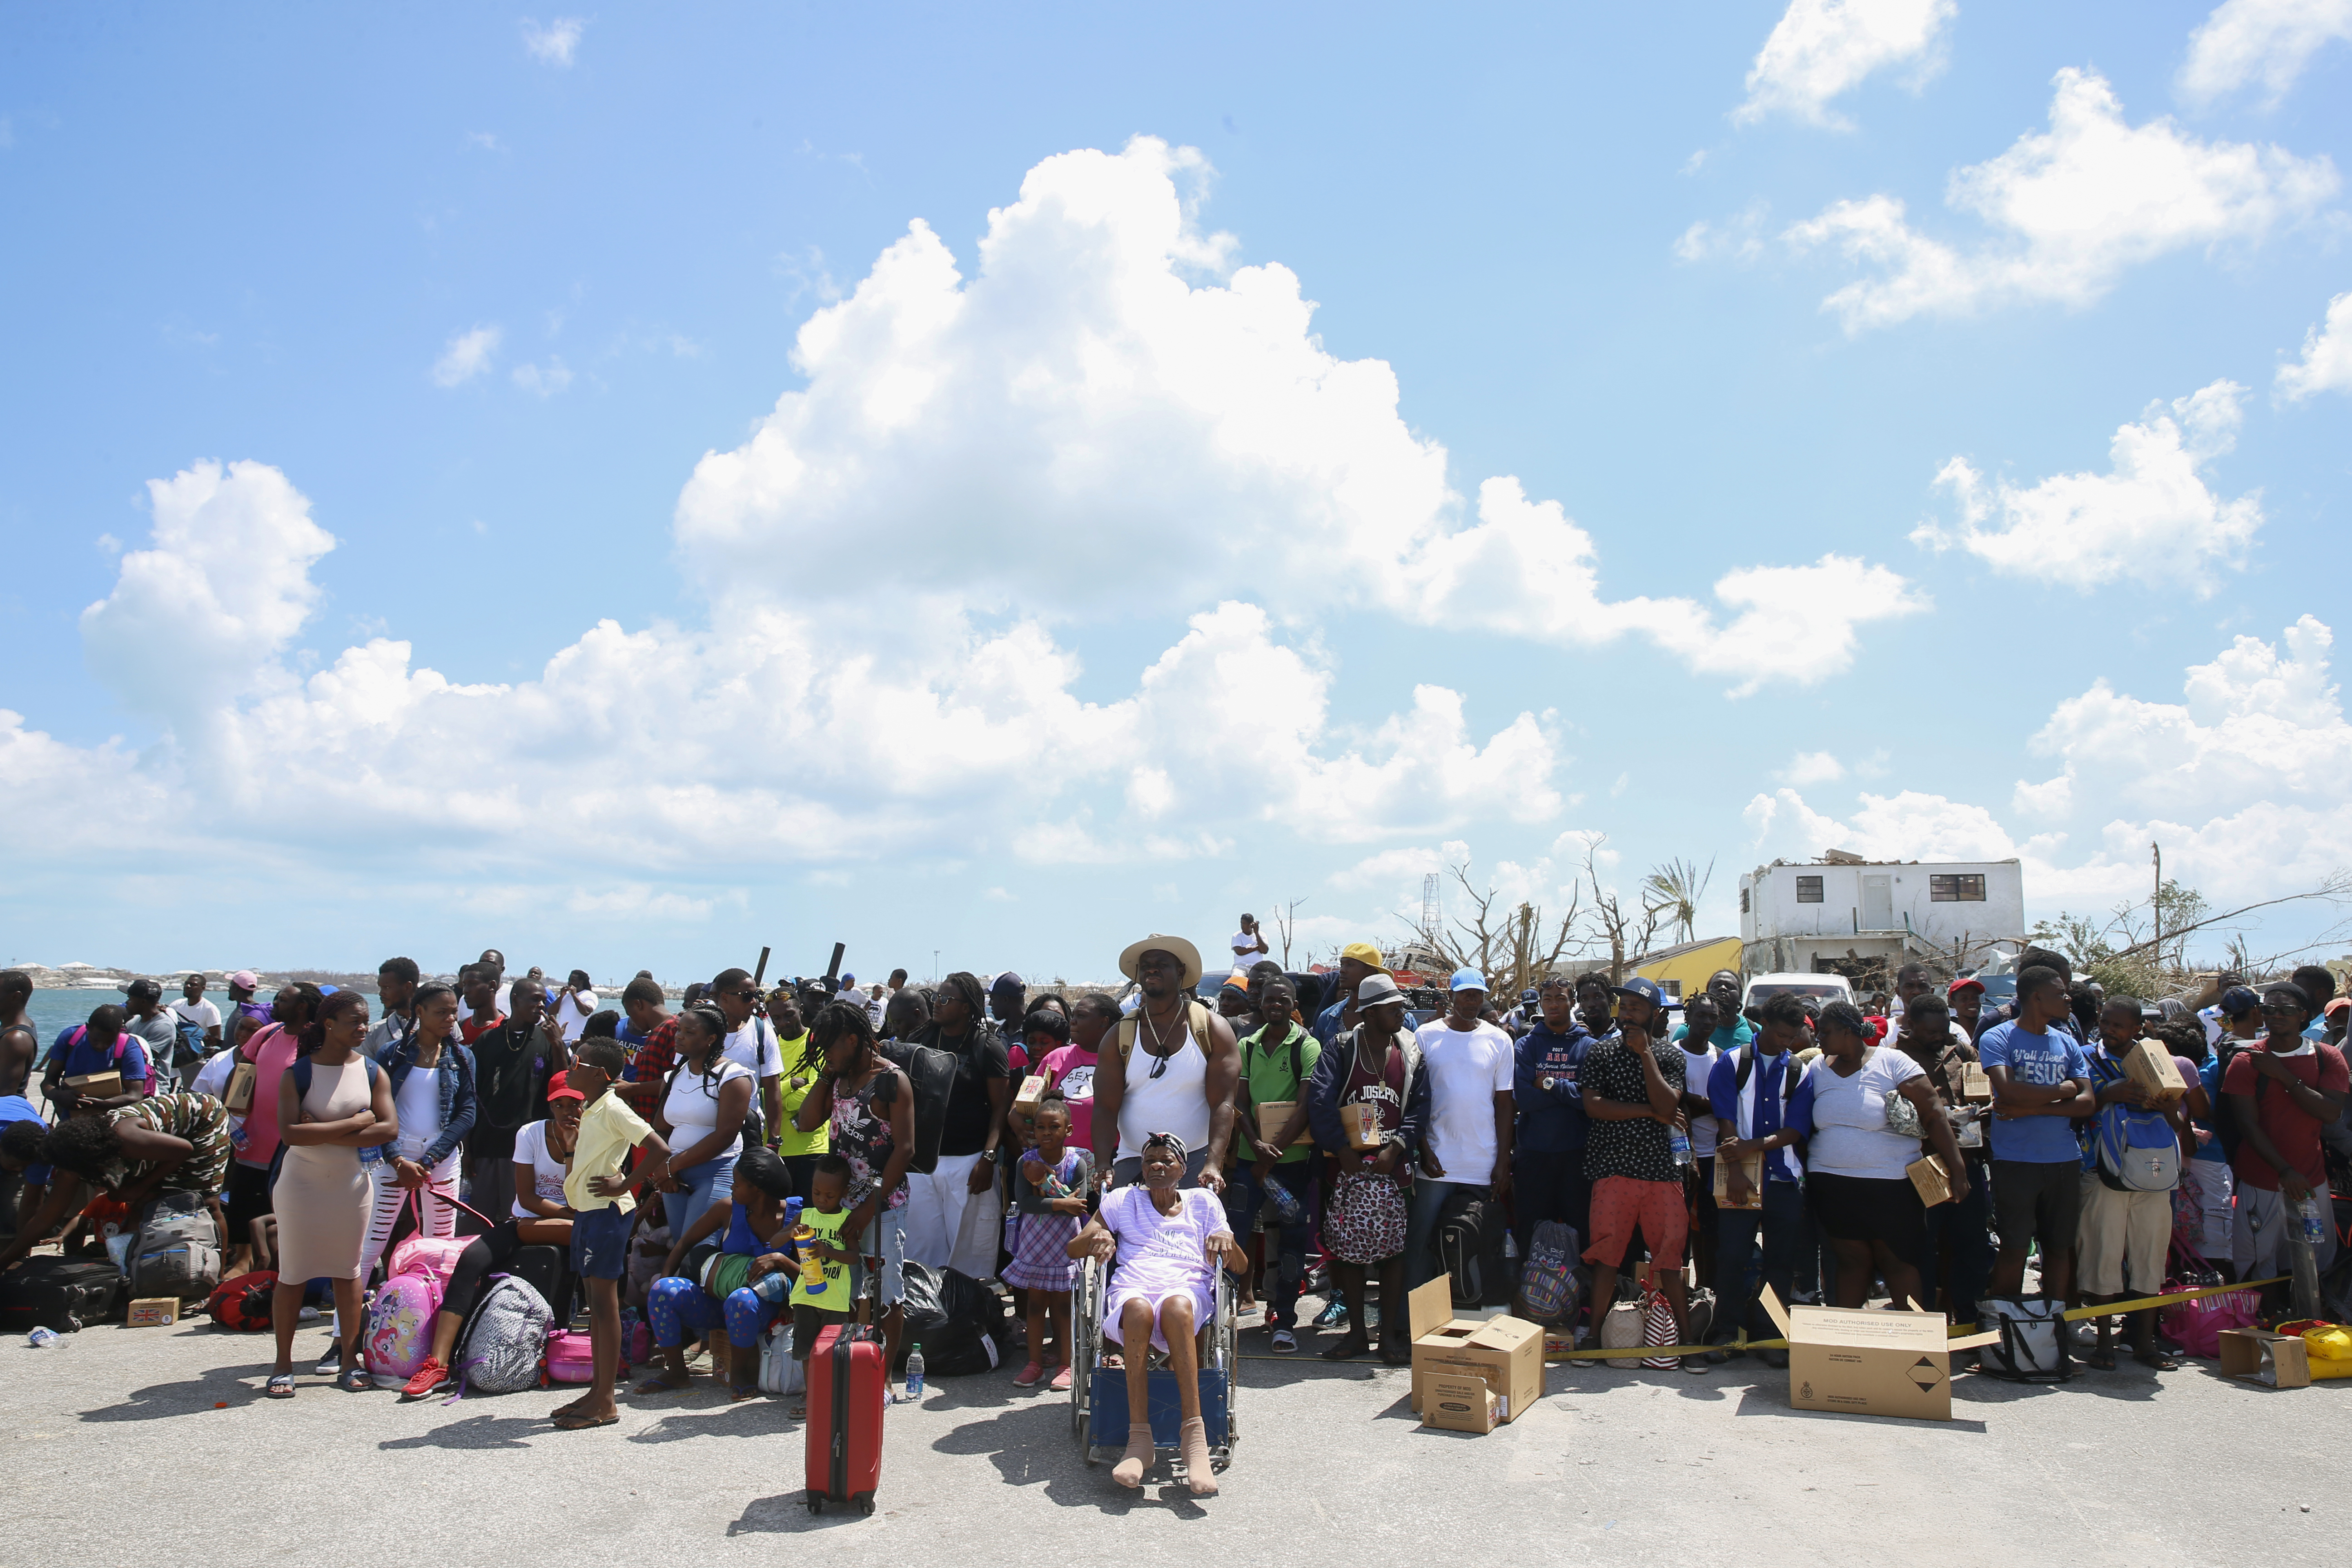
column 1752, row 1167
column 1869, row 1364
column 97, row 1085
column 154, row 1311
column 1928, row 1175
column 1362, row 1125
column 1461, row 1404
column 2275, row 1361
column 1033, row 1090
column 1975, row 1084
column 1273, row 1113
column 1503, row 1352
column 2147, row 1063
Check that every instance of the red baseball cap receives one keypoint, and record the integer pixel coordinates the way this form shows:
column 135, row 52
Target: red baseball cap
column 559, row 1089
column 1965, row 983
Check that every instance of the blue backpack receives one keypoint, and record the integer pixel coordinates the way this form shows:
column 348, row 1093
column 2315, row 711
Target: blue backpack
column 2136, row 1148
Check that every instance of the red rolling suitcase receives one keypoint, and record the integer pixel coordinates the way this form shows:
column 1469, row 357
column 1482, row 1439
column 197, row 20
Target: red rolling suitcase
column 845, row 1393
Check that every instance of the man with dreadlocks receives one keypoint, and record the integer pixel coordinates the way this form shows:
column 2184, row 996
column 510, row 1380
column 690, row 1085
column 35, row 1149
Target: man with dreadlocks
column 969, row 1134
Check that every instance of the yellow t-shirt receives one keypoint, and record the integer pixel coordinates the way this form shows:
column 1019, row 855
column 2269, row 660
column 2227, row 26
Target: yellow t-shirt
column 791, row 1090
column 835, row 1295
column 608, row 1131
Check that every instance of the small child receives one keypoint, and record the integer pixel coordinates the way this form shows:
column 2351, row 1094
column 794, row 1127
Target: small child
column 600, row 1196
column 1051, row 1195
column 822, row 1217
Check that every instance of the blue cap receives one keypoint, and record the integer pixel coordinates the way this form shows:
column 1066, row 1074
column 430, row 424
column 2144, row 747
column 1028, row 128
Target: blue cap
column 1468, row 980
column 2239, row 1000
column 1646, row 989
column 1529, row 995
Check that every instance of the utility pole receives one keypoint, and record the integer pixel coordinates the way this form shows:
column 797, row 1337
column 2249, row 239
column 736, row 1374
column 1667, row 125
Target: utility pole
column 2156, row 903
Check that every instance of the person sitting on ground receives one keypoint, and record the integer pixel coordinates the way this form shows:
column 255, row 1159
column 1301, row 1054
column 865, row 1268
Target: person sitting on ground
column 2282, row 1093
column 2041, row 1086
column 102, row 1045
column 1167, row 1244
column 1632, row 1093
column 1856, row 1163
column 540, row 1218
column 699, row 1291
column 603, row 1197
column 1050, row 1187
column 174, row 1142
column 2125, row 1228
column 1378, row 1065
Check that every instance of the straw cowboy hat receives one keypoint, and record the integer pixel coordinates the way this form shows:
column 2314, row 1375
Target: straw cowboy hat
column 1186, row 954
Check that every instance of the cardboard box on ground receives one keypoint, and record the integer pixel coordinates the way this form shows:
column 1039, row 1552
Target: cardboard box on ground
column 1504, row 1353
column 154, row 1311
column 1459, row 1403
column 2258, row 1355
column 1865, row 1362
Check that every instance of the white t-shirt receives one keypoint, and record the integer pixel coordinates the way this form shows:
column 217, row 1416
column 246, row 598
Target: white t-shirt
column 572, row 1011
column 754, row 1048
column 1246, row 950
column 546, row 1170
column 418, row 1105
column 201, row 1013
column 214, row 1078
column 1696, row 1065
column 692, row 1110
column 1465, row 1068
column 1850, row 1136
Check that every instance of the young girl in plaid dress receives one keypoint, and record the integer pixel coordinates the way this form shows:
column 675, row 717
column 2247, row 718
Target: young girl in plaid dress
column 1050, row 1200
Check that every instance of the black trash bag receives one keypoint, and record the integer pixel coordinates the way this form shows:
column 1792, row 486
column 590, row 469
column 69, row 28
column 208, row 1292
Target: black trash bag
column 963, row 1327
column 925, row 1312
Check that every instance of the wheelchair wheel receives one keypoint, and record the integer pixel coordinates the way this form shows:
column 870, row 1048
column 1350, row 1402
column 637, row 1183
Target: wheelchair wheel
column 1225, row 1351
column 1086, row 1351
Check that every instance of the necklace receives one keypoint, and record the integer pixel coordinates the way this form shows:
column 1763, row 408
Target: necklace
column 1159, row 1047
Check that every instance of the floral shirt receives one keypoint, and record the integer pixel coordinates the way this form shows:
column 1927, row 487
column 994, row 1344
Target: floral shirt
column 861, row 1135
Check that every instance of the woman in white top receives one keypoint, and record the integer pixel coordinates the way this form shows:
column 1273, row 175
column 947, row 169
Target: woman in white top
column 1854, row 1163
column 433, row 1090
column 543, row 1156
column 701, row 1118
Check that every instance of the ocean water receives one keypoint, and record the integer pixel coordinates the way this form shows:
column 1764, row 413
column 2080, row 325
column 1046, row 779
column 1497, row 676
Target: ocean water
column 51, row 1011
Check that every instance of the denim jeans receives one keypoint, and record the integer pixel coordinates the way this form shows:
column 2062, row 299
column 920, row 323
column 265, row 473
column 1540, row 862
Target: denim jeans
column 1786, row 1228
column 1429, row 1198
column 713, row 1181
column 1244, row 1195
column 1966, row 1228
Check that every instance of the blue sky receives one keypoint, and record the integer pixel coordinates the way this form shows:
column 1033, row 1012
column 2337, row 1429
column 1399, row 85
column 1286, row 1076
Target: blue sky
column 1732, row 430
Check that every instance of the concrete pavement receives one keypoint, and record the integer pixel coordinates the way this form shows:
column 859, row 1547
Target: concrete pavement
column 122, row 1457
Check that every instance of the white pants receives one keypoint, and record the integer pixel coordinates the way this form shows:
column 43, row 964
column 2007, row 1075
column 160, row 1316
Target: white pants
column 391, row 1197
column 935, row 1206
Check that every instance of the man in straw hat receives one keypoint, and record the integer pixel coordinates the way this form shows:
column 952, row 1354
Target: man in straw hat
column 1173, row 1072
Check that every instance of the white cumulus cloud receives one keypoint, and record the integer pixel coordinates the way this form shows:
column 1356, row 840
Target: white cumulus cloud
column 545, row 380
column 2067, row 211
column 1812, row 768
column 555, row 43
column 2265, row 41
column 1821, row 48
column 466, row 356
column 2327, row 363
column 2152, row 518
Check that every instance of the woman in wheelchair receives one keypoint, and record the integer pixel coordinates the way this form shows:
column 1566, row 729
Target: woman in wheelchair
column 1168, row 1244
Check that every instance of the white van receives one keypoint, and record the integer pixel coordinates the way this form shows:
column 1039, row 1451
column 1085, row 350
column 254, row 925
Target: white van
column 1828, row 987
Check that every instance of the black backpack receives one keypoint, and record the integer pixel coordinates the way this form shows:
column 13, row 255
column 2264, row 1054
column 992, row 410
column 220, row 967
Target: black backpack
column 1470, row 1236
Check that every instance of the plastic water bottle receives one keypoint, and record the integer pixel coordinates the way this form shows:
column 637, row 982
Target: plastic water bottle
column 2309, row 1226
column 39, row 1337
column 914, row 1374
column 1286, row 1206
column 1681, row 1140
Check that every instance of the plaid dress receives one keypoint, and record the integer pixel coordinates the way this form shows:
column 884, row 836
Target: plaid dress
column 1041, row 1239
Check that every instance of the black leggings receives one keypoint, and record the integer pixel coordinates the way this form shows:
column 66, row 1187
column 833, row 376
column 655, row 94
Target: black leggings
column 487, row 1254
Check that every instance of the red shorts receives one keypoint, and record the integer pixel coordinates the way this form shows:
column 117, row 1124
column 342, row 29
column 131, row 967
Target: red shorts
column 1619, row 1204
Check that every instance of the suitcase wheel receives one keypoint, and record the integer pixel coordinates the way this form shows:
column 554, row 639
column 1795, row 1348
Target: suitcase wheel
column 816, row 1502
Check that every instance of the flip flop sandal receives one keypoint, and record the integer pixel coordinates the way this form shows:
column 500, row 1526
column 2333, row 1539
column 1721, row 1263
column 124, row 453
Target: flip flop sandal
column 662, row 1385
column 581, row 1423
column 280, row 1386
column 740, row 1391
column 2162, row 1361
column 356, row 1380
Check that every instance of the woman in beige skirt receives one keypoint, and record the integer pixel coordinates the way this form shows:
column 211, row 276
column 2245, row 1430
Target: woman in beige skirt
column 332, row 1102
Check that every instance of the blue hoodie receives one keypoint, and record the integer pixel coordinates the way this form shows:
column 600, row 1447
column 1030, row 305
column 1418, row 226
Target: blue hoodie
column 1551, row 1122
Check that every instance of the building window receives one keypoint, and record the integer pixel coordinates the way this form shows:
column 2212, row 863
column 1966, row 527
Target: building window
column 1743, row 901
column 1953, row 889
column 1808, row 889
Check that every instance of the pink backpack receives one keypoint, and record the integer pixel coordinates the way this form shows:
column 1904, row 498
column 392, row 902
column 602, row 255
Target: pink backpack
column 400, row 1328
column 420, row 1253
column 571, row 1357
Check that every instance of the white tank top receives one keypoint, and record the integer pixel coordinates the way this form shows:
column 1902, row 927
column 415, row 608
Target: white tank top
column 1175, row 1102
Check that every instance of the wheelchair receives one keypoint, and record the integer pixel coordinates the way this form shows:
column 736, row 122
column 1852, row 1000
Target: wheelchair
column 1098, row 1412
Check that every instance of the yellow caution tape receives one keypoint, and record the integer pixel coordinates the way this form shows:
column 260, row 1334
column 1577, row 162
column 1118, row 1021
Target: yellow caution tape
column 1636, row 1353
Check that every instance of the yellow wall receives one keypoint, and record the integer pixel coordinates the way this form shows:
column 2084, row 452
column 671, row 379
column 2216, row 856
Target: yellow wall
column 1692, row 968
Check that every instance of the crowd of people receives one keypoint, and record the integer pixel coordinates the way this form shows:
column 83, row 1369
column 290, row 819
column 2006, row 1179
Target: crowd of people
column 763, row 1144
